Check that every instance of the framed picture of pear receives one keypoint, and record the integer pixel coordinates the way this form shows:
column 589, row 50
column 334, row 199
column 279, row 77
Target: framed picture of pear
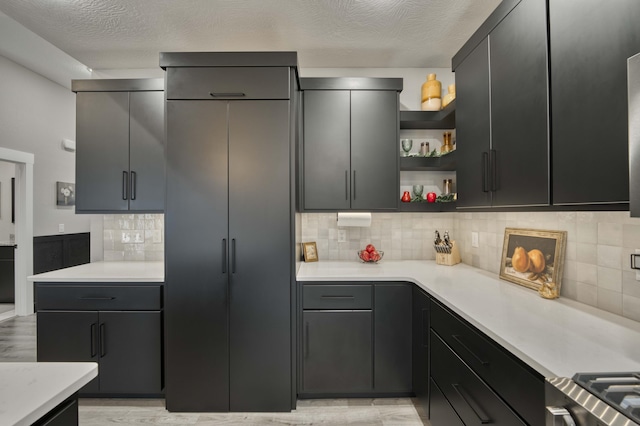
column 534, row 258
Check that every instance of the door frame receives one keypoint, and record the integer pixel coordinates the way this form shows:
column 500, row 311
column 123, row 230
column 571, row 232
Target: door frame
column 23, row 228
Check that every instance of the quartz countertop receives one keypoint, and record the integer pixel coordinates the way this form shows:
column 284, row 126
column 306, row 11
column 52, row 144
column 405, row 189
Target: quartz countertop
column 557, row 338
column 30, row 390
column 105, row 272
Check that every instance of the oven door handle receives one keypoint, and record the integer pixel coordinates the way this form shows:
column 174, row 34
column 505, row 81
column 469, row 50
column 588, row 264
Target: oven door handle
column 559, row 416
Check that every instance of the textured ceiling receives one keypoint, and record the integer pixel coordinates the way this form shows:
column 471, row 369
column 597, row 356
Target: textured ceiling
column 107, row 34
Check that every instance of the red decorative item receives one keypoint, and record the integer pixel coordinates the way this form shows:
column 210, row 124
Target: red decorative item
column 406, row 197
column 431, row 197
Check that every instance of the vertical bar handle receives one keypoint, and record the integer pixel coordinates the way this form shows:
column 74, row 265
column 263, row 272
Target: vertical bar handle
column 94, row 343
column 125, row 185
column 494, row 170
column 224, row 255
column 103, row 346
column 354, row 184
column 233, row 255
column 306, row 340
column 133, row 185
column 485, row 172
column 346, row 184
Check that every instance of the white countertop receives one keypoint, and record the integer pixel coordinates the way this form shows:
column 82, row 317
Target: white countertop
column 106, row 272
column 29, row 390
column 555, row 337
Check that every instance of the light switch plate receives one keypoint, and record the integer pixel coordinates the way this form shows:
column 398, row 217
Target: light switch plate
column 475, row 240
column 61, row 227
column 342, row 235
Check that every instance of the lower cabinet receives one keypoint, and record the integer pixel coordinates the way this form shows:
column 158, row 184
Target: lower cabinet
column 127, row 344
column 355, row 339
column 442, row 413
column 65, row 414
column 420, row 346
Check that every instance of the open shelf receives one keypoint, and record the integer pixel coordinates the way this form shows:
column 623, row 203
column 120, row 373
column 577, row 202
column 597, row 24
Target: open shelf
column 443, row 119
column 446, row 162
column 427, row 207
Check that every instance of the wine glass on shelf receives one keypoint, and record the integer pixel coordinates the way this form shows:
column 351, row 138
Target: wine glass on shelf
column 407, row 144
column 417, row 191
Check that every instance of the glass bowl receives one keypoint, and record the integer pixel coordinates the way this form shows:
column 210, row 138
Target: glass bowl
column 380, row 252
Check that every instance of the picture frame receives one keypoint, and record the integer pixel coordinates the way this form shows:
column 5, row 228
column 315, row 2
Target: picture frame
column 534, row 258
column 310, row 252
column 65, row 194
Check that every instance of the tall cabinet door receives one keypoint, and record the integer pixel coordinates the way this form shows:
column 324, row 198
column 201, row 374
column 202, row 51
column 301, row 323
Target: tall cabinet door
column 473, row 131
column 102, row 154
column 260, row 255
column 146, row 151
column 69, row 337
column 590, row 42
column 519, row 113
column 326, row 149
column 374, row 149
column 196, row 267
column 130, row 352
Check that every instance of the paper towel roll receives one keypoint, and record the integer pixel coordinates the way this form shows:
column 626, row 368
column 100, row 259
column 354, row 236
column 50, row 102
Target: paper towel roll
column 354, row 219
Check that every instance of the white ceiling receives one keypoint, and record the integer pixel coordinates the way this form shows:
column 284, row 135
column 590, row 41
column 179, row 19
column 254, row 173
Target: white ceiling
column 117, row 34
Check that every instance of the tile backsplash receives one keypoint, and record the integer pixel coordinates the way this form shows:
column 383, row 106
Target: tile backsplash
column 133, row 237
column 597, row 268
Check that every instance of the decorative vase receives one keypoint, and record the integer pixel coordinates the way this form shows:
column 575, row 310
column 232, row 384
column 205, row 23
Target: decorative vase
column 449, row 96
column 447, row 146
column 406, row 197
column 431, row 94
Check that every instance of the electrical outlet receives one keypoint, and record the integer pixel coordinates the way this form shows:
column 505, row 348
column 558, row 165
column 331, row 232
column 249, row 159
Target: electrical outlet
column 61, row 227
column 342, row 235
column 475, row 240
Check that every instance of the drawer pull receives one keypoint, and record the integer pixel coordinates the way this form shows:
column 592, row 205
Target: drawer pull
column 227, row 95
column 337, row 297
column 95, row 298
column 457, row 339
column 480, row 414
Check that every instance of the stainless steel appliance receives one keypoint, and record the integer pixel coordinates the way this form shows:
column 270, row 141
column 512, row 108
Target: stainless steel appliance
column 633, row 97
column 593, row 399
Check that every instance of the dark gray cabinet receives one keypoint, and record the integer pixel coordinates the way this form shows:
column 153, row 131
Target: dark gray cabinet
column 65, row 414
column 502, row 113
column 356, row 339
column 337, row 351
column 442, row 413
column 420, row 348
column 74, row 325
column 392, row 337
column 589, row 51
column 120, row 145
column 7, row 274
column 349, row 155
column 228, row 273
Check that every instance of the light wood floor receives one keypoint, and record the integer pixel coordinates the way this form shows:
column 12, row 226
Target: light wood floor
column 18, row 344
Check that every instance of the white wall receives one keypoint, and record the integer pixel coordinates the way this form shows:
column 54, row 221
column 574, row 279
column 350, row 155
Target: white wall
column 7, row 171
column 35, row 115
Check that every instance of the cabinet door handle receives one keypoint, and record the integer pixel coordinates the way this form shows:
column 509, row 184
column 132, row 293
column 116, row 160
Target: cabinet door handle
column 95, row 298
column 94, row 343
column 103, row 349
column 477, row 410
column 354, row 184
column 337, row 297
column 457, row 339
column 125, row 185
column 133, row 185
column 227, row 95
column 346, row 184
column 306, row 340
column 233, row 255
column 224, row 255
column 494, row 170
column 485, row 172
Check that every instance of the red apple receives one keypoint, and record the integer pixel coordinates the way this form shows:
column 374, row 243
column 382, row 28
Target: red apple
column 364, row 255
column 370, row 248
column 431, row 197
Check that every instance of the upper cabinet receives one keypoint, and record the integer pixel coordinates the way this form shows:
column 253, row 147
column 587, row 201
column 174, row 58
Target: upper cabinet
column 590, row 42
column 119, row 145
column 349, row 156
column 502, row 113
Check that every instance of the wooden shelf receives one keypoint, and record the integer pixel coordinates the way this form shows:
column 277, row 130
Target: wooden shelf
column 443, row 119
column 427, row 207
column 445, row 163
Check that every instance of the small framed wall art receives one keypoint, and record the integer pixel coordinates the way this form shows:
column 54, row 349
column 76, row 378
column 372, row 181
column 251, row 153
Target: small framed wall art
column 310, row 252
column 65, row 194
column 534, row 258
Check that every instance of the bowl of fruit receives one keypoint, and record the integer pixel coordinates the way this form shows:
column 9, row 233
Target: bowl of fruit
column 370, row 254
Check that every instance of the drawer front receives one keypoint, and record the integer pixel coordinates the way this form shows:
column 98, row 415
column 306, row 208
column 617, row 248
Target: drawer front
column 474, row 402
column 228, row 83
column 518, row 385
column 97, row 298
column 330, row 296
column 441, row 412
